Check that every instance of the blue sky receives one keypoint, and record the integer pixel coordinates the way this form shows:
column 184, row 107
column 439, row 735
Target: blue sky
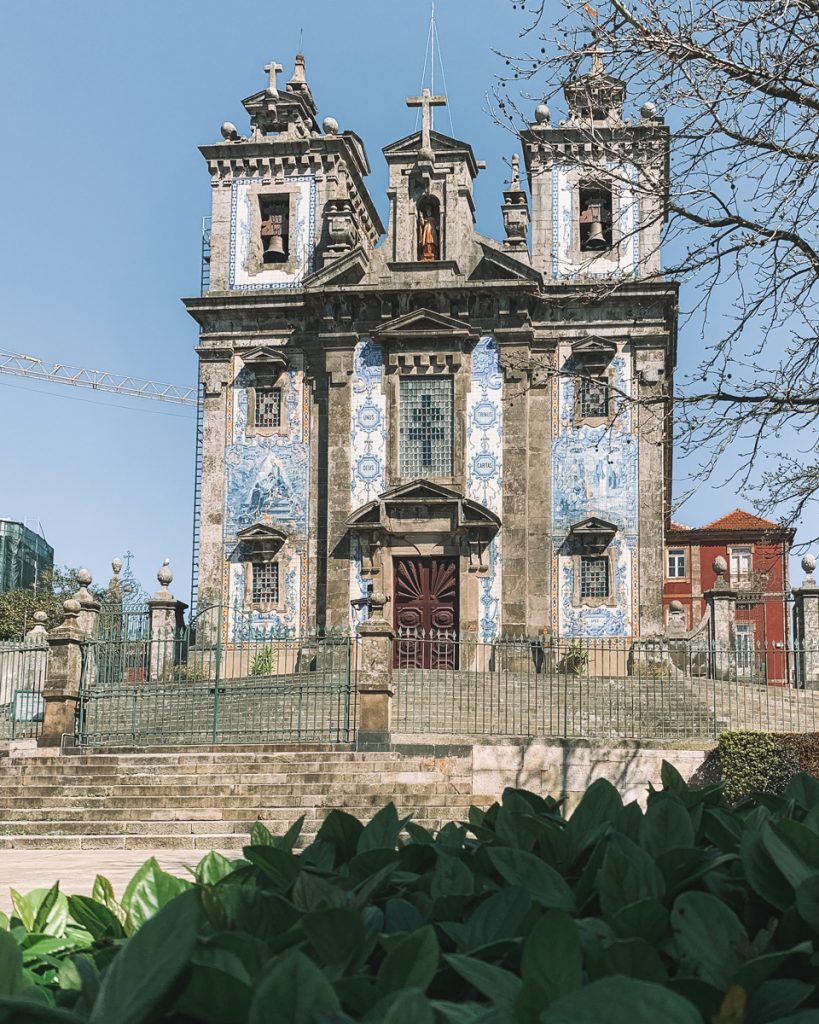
column 104, row 105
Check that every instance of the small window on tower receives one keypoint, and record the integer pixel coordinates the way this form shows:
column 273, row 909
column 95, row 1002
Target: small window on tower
column 275, row 231
column 594, row 398
column 268, row 407
column 594, row 576
column 595, row 218
column 264, row 583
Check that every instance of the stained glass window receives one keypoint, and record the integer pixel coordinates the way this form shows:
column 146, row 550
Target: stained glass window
column 425, row 426
column 265, row 583
column 594, row 576
column 268, row 411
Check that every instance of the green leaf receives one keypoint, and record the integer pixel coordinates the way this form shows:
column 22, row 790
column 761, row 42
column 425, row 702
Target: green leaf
column 464, row 1013
column 311, row 892
column 774, row 998
column 451, row 877
column 149, row 890
column 11, row 965
column 381, row 832
column 279, row 866
column 48, row 903
column 497, row 984
column 595, row 814
column 136, row 986
column 334, row 934
column 627, row 875
column 807, row 902
column 219, row 988
column 294, row 992
column 103, row 892
column 710, row 937
column 622, row 1001
column 95, row 917
column 546, row 886
column 411, row 1007
column 411, row 962
column 260, row 835
column 401, row 916
column 762, row 873
column 668, row 824
column 803, row 789
column 342, row 831
column 646, row 919
column 753, row 972
column 671, row 779
column 782, row 852
column 552, row 956
column 634, row 958
column 290, row 837
column 22, row 1010
column 212, row 868
column 497, row 917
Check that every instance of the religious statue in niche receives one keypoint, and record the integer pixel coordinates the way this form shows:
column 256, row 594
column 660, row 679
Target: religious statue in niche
column 429, row 230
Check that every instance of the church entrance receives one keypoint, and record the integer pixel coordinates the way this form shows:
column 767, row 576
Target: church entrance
column 426, row 605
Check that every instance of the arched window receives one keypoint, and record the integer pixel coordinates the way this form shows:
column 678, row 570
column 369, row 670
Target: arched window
column 429, row 229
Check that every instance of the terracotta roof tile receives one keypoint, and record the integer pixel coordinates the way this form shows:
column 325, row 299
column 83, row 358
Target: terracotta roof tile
column 679, row 526
column 739, row 519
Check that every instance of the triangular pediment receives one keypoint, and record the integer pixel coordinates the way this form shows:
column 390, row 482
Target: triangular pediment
column 261, row 533
column 423, row 323
column 420, row 490
column 593, row 525
column 347, row 269
column 495, row 265
column 431, row 497
column 594, row 345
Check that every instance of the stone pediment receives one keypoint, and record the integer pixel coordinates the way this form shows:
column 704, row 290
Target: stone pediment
column 424, row 495
column 422, row 507
column 423, row 324
column 593, row 534
column 495, row 265
column 266, row 363
column 262, row 539
column 347, row 269
column 594, row 352
column 440, row 143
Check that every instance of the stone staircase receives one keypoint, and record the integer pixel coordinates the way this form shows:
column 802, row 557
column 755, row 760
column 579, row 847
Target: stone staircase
column 184, row 799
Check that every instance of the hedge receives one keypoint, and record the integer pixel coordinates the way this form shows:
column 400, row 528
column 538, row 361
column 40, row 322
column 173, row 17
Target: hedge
column 763, row 762
column 692, row 911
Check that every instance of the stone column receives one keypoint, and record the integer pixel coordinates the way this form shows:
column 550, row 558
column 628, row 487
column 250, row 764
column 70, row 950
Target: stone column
column 36, row 658
column 806, row 627
column 165, row 614
column 375, row 686
column 722, row 603
column 61, row 692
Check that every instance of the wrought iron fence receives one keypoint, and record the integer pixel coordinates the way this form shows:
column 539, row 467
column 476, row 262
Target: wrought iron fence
column 448, row 684
column 22, row 677
column 197, row 686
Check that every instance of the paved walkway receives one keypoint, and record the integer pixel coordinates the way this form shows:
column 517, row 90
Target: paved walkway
column 25, row 870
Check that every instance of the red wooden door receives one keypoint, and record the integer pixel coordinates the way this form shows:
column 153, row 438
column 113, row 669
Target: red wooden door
column 426, row 604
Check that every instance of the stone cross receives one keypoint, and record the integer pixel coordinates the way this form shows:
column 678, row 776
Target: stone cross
column 272, row 69
column 426, row 101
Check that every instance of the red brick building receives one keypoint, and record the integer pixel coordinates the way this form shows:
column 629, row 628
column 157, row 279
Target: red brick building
column 756, row 552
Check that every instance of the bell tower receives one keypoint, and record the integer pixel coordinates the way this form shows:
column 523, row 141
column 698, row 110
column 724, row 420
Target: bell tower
column 598, row 182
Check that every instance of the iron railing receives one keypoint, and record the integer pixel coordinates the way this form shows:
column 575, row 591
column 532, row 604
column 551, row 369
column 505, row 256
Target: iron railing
column 23, row 669
column 453, row 685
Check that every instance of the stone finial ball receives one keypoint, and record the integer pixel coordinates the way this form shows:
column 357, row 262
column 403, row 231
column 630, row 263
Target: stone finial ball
column 71, row 606
column 808, row 563
column 648, row 110
column 719, row 565
column 83, row 577
column 229, row 131
column 676, row 606
column 330, row 126
column 116, row 565
column 542, row 114
column 40, row 618
column 165, row 576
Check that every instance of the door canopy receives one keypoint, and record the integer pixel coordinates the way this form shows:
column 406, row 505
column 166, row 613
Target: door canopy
column 422, row 507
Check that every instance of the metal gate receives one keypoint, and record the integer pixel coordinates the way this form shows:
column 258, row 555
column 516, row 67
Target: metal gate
column 206, row 684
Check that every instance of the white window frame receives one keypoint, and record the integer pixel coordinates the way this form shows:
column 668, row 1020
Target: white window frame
column 744, row 650
column 676, row 554
column 736, row 556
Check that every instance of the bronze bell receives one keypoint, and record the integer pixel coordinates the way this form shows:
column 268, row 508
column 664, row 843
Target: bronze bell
column 275, row 251
column 595, row 238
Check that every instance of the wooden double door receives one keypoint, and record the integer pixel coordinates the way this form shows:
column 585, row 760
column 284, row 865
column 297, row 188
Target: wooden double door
column 426, row 611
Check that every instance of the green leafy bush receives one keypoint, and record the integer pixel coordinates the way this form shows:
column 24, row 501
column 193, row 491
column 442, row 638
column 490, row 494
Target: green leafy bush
column 755, row 762
column 692, row 912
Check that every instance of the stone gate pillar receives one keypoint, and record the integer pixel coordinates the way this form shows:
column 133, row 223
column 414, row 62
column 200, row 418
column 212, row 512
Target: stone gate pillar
column 722, row 602
column 61, row 692
column 166, row 614
column 375, row 684
column 89, row 607
column 806, row 627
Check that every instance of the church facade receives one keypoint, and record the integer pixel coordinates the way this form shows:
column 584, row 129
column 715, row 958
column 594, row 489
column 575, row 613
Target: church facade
column 477, row 429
